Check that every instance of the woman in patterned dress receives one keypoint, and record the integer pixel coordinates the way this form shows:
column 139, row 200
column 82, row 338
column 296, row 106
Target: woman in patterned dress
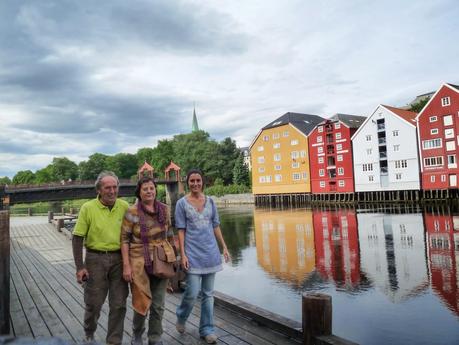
column 146, row 224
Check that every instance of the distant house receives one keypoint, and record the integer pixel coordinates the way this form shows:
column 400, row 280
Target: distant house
column 246, row 154
column 280, row 159
column 330, row 151
column 438, row 134
column 385, row 151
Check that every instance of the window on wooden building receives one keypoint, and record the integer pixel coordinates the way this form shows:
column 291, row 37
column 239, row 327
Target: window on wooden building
column 434, row 131
column 433, row 161
column 449, row 133
column 447, row 120
column 296, row 176
column 445, row 101
column 433, row 118
column 431, row 144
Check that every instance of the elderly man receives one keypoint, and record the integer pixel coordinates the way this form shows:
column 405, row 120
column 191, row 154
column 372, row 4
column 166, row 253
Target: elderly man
column 99, row 227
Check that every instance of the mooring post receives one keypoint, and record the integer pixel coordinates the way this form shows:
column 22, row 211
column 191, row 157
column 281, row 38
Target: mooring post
column 317, row 316
column 29, row 211
column 60, row 224
column 4, row 272
column 50, row 216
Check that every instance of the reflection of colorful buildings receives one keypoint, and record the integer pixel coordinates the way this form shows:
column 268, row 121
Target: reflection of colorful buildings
column 443, row 251
column 392, row 251
column 285, row 243
column 337, row 246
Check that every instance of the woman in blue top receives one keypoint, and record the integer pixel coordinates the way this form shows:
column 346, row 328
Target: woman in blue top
column 198, row 225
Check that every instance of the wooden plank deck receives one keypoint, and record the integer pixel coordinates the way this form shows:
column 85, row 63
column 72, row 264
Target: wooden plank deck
column 46, row 300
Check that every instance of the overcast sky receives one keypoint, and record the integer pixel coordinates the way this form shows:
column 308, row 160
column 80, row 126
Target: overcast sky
column 78, row 77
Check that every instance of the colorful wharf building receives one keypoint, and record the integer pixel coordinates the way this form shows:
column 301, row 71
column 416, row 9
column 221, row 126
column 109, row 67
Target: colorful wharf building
column 280, row 157
column 438, row 133
column 330, row 149
column 385, row 152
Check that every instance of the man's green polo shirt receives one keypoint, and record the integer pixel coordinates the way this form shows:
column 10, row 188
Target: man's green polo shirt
column 101, row 226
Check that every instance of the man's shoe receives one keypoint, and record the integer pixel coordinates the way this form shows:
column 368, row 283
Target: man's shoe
column 88, row 339
column 136, row 340
column 159, row 342
column 180, row 327
column 211, row 339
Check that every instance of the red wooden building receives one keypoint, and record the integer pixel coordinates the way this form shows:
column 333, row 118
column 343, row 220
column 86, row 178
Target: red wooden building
column 336, row 243
column 438, row 135
column 443, row 252
column 330, row 154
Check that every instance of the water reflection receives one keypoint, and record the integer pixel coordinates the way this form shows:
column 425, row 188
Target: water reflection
column 285, row 243
column 337, row 247
column 442, row 231
column 392, row 248
column 396, row 269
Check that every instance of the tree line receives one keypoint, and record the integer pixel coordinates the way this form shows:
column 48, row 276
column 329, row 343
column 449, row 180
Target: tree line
column 221, row 162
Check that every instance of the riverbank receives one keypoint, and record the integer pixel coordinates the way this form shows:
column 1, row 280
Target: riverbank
column 236, row 199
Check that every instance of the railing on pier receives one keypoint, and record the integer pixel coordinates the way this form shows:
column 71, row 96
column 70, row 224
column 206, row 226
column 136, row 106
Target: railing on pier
column 4, row 272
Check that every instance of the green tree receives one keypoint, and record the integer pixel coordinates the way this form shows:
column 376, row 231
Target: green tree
column 96, row 163
column 162, row 155
column 241, row 174
column 227, row 156
column 124, row 165
column 417, row 107
column 64, row 169
column 45, row 175
column 5, row 180
column 24, row 177
column 143, row 155
column 197, row 150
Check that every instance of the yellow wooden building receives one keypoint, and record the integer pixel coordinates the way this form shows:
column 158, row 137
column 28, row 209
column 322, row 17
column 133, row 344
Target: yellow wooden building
column 280, row 155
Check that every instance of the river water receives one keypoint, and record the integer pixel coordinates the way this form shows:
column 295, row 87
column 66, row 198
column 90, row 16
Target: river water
column 392, row 274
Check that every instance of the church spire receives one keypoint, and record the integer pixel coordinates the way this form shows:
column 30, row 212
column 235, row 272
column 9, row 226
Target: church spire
column 194, row 126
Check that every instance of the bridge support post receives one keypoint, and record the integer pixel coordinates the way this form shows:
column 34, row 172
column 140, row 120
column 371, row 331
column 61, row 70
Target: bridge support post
column 173, row 193
column 5, row 272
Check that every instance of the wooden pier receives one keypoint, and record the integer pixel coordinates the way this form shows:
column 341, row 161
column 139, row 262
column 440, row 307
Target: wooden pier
column 46, row 300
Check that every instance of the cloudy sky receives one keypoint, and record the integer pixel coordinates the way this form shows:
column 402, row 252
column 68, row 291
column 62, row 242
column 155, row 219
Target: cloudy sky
column 78, row 77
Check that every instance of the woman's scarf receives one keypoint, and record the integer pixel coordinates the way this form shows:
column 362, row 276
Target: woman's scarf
column 160, row 217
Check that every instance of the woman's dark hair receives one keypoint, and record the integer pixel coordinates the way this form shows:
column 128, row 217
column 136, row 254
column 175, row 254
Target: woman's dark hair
column 195, row 171
column 140, row 182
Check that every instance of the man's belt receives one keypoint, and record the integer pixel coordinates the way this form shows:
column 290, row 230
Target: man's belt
column 95, row 251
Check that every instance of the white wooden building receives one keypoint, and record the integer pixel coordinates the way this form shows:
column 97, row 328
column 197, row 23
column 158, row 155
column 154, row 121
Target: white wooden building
column 385, row 151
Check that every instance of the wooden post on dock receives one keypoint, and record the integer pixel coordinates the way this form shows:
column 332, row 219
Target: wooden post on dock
column 4, row 272
column 317, row 316
column 29, row 212
column 50, row 216
column 60, row 224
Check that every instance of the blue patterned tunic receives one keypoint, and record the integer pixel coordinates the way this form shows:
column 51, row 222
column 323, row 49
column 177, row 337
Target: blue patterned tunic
column 201, row 246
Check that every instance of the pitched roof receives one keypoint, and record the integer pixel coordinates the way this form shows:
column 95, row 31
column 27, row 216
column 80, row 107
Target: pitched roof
column 145, row 167
column 303, row 122
column 408, row 116
column 351, row 121
column 453, row 86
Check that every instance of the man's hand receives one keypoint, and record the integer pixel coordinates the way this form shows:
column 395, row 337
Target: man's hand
column 82, row 275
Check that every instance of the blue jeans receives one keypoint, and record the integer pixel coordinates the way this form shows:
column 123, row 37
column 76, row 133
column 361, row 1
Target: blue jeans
column 194, row 283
